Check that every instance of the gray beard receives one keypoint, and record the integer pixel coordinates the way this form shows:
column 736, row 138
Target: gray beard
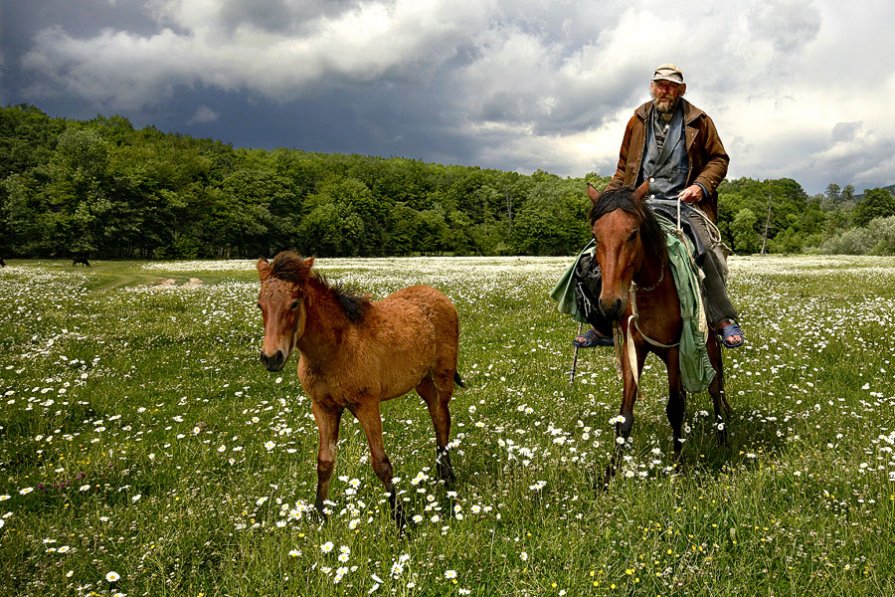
column 665, row 108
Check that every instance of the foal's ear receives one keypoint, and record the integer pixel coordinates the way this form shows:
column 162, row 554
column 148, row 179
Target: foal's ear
column 263, row 268
column 309, row 262
column 593, row 193
column 641, row 191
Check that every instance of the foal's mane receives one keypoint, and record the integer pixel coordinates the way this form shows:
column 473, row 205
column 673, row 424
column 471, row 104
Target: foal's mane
column 289, row 266
column 651, row 232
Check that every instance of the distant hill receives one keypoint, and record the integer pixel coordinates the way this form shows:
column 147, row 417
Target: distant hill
column 890, row 188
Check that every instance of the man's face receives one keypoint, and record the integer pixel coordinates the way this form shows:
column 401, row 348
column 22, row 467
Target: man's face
column 665, row 95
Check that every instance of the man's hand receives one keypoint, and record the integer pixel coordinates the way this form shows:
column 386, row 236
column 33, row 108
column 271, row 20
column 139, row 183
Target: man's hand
column 692, row 194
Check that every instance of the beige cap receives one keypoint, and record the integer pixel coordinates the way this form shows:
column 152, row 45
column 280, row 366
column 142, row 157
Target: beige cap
column 669, row 72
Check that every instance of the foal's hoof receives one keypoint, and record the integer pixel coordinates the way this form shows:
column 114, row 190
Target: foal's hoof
column 400, row 519
column 445, row 469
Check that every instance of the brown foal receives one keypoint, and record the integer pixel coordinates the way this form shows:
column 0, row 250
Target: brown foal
column 355, row 353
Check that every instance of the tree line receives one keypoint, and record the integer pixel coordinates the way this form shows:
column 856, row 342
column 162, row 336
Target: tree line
column 104, row 188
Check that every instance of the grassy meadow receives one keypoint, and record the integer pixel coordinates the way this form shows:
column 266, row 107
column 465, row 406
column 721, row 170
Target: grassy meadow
column 144, row 450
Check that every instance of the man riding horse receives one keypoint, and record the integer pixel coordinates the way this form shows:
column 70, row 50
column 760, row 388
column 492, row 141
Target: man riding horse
column 674, row 146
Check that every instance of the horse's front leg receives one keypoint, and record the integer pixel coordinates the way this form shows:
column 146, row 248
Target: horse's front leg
column 626, row 413
column 677, row 402
column 328, row 428
column 368, row 415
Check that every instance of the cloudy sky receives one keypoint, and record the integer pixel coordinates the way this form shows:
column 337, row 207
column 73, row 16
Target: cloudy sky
column 797, row 88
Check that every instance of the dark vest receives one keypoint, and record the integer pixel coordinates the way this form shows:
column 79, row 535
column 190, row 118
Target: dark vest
column 666, row 167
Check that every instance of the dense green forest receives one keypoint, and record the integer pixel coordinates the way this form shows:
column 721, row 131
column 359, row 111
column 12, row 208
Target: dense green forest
column 104, row 188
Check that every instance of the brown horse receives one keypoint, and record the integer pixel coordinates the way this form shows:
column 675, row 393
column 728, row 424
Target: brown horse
column 639, row 296
column 354, row 354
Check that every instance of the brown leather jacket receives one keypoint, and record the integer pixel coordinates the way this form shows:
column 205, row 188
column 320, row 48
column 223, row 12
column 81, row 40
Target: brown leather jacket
column 708, row 159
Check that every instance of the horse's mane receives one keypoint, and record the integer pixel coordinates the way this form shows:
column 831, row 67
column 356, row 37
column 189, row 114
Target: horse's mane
column 651, row 232
column 292, row 267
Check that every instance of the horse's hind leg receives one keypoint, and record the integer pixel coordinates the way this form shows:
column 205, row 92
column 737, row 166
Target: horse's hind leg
column 328, row 428
column 437, row 392
column 368, row 415
column 716, row 390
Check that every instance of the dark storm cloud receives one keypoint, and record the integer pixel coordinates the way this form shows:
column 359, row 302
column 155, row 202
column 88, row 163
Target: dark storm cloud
column 515, row 85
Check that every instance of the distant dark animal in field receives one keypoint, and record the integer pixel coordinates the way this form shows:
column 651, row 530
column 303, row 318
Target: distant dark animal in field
column 639, row 296
column 355, row 353
column 2, row 262
column 79, row 258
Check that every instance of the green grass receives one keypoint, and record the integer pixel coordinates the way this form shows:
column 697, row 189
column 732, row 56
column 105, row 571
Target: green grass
column 139, row 434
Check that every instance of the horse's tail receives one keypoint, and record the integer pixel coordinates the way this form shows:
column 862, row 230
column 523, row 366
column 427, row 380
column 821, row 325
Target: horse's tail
column 458, row 380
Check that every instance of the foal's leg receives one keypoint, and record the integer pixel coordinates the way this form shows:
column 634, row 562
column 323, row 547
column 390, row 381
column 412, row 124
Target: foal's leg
column 437, row 393
column 328, row 428
column 371, row 420
column 629, row 396
column 677, row 401
column 716, row 389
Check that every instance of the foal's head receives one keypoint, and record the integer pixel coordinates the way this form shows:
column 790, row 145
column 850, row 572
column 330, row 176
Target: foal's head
column 284, row 284
column 288, row 286
column 626, row 234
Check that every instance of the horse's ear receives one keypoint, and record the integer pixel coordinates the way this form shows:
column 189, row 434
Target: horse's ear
column 263, row 268
column 641, row 191
column 593, row 193
column 304, row 269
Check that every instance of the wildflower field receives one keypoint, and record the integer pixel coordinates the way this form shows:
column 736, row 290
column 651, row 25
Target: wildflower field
column 144, row 449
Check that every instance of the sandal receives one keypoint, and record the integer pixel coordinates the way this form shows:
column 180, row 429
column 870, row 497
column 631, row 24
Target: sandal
column 730, row 330
column 592, row 338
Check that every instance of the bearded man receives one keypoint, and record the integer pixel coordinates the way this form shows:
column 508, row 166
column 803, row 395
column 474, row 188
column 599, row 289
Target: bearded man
column 674, row 145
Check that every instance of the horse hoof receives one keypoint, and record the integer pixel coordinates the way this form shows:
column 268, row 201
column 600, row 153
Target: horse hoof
column 449, row 479
column 603, row 485
column 319, row 516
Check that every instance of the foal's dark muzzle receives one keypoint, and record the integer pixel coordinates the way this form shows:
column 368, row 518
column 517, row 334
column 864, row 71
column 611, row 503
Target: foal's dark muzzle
column 275, row 361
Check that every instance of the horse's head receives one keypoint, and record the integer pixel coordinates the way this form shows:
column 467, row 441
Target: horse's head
column 282, row 301
column 616, row 219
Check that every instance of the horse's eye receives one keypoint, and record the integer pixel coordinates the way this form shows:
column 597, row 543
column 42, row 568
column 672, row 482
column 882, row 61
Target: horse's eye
column 633, row 234
column 258, row 305
column 294, row 305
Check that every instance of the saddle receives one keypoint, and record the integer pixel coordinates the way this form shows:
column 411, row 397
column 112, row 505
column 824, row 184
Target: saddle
column 668, row 209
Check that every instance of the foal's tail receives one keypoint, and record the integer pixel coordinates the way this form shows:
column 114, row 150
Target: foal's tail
column 458, row 380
